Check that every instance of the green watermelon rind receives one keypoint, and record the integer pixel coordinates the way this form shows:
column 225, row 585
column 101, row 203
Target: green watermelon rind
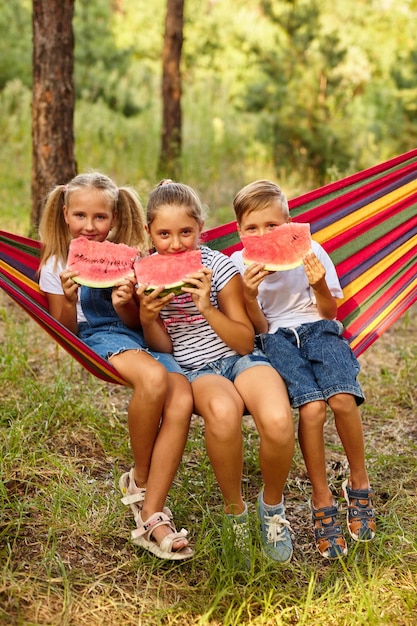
column 272, row 267
column 175, row 288
column 102, row 284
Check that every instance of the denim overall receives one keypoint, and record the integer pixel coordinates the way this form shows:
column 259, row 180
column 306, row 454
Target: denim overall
column 105, row 333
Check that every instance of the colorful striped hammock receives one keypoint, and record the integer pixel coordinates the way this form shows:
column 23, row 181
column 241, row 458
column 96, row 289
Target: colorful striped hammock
column 367, row 222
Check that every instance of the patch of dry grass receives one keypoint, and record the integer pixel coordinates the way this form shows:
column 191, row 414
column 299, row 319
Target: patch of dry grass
column 65, row 551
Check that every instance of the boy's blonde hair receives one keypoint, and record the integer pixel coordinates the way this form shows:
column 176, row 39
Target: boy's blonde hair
column 129, row 226
column 259, row 195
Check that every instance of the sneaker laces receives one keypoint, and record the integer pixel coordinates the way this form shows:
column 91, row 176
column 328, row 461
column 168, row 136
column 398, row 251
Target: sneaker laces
column 240, row 531
column 277, row 527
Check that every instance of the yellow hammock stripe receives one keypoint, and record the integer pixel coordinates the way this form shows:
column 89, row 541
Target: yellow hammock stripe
column 360, row 215
column 367, row 277
column 378, row 322
column 19, row 276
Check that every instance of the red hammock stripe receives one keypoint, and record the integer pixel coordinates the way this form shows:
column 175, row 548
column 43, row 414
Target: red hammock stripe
column 367, row 222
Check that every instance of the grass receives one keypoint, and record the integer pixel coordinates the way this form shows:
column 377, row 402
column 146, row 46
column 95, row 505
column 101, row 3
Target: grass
column 65, row 552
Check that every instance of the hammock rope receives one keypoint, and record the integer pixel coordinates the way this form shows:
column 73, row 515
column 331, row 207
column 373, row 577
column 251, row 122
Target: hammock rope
column 367, row 222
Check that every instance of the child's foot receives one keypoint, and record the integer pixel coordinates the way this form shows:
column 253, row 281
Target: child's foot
column 330, row 541
column 134, row 496
column 159, row 535
column 236, row 539
column 276, row 538
column 360, row 514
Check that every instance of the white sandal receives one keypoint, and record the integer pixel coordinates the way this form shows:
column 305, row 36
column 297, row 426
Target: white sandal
column 136, row 498
column 142, row 536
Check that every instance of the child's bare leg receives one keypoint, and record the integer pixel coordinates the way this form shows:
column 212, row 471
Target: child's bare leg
column 311, row 439
column 218, row 402
column 169, row 443
column 329, row 538
column 349, row 426
column 149, row 380
column 266, row 398
column 168, row 450
column 356, row 489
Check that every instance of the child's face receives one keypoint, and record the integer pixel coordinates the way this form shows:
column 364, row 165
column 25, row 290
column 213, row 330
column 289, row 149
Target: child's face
column 173, row 230
column 88, row 214
column 262, row 221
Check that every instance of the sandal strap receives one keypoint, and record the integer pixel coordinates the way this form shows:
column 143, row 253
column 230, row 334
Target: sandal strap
column 145, row 529
column 167, row 542
column 326, row 530
column 362, row 508
column 134, row 498
column 138, row 496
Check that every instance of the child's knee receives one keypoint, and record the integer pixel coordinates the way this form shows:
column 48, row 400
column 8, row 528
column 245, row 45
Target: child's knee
column 312, row 415
column 153, row 380
column 343, row 404
column 223, row 422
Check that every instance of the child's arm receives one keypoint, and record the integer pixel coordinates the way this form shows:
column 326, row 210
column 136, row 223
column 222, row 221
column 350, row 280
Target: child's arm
column 230, row 321
column 154, row 331
column 316, row 274
column 252, row 278
column 63, row 307
column 125, row 303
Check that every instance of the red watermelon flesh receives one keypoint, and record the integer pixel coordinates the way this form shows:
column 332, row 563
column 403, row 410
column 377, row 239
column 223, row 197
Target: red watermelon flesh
column 100, row 263
column 167, row 270
column 280, row 249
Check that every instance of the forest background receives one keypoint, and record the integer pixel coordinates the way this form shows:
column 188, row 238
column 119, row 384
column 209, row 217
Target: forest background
column 302, row 92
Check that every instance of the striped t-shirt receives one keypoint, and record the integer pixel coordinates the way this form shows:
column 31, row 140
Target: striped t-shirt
column 194, row 341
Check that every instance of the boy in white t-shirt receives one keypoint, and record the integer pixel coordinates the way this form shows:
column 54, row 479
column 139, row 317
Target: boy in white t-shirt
column 294, row 313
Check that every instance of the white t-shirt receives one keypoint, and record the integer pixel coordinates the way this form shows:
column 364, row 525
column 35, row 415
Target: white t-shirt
column 286, row 298
column 194, row 341
column 50, row 282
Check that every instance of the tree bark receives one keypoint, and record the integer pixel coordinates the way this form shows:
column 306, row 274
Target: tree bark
column 171, row 136
column 53, row 100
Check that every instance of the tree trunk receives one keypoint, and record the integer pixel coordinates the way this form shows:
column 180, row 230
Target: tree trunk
column 53, row 100
column 171, row 137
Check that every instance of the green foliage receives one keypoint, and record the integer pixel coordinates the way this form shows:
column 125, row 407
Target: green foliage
column 15, row 42
column 100, row 66
column 270, row 89
column 15, row 154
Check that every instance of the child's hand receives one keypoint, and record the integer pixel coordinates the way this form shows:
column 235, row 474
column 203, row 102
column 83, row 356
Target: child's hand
column 314, row 269
column 123, row 292
column 69, row 286
column 200, row 290
column 252, row 278
column 151, row 304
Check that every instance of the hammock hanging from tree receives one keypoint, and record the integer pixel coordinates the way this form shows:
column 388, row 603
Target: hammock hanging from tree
column 367, row 222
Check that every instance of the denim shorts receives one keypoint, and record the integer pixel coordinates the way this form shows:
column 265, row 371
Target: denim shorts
column 230, row 366
column 314, row 360
column 113, row 338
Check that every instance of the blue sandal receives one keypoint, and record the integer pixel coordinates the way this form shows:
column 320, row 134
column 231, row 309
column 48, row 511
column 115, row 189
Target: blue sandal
column 330, row 541
column 360, row 514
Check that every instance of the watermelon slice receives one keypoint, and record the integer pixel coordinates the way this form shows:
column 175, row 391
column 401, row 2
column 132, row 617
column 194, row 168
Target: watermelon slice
column 100, row 263
column 167, row 270
column 280, row 249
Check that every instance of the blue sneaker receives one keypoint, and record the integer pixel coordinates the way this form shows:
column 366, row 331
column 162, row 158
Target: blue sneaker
column 236, row 540
column 276, row 538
